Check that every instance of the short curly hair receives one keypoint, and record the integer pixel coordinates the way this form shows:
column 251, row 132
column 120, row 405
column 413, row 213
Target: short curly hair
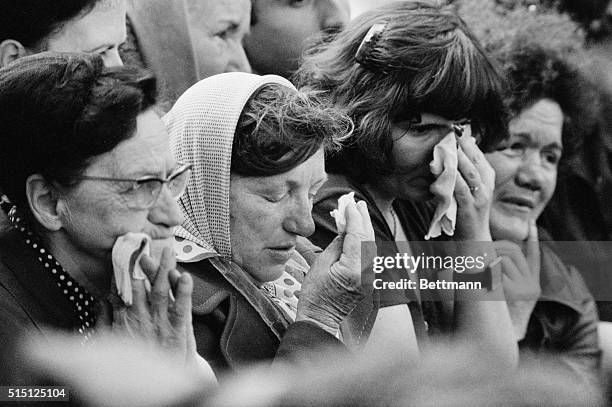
column 59, row 111
column 540, row 54
column 424, row 61
column 280, row 128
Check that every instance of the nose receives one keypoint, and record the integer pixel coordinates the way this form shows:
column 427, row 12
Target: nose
column 238, row 61
column 530, row 173
column 112, row 58
column 298, row 219
column 333, row 15
column 166, row 210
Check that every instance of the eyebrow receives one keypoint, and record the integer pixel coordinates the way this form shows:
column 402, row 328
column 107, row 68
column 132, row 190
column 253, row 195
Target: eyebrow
column 107, row 45
column 143, row 174
column 555, row 145
column 292, row 184
column 527, row 137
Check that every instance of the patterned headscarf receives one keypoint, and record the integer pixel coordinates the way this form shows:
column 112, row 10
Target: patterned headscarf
column 202, row 125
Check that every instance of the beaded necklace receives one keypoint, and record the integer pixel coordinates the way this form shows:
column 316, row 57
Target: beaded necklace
column 82, row 302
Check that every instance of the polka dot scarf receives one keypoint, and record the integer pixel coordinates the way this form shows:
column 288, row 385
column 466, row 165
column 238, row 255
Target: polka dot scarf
column 285, row 291
column 82, row 302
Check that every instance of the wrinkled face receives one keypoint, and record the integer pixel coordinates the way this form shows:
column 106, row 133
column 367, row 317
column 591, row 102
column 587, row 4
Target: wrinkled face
column 413, row 145
column 217, row 29
column 282, row 30
column 101, row 31
column 94, row 213
column 526, row 169
column 268, row 213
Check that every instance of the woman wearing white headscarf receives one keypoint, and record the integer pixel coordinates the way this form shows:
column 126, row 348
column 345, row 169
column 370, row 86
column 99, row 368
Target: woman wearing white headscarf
column 256, row 145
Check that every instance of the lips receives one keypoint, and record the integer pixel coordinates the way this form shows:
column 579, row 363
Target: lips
column 283, row 247
column 519, row 201
column 281, row 254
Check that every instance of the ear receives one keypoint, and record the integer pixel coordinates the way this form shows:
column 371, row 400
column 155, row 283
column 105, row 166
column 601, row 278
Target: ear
column 43, row 202
column 11, row 50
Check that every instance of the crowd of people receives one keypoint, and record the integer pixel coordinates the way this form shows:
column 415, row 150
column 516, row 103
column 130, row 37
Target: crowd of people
column 195, row 194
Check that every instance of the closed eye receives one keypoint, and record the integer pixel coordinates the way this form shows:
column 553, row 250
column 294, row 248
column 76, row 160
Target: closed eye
column 227, row 32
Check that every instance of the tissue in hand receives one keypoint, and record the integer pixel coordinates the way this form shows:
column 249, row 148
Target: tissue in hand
column 126, row 255
column 444, row 166
column 340, row 214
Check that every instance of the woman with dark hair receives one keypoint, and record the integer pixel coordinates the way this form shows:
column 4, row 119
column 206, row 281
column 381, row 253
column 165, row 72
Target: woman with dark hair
column 86, row 162
column 257, row 149
column 411, row 75
column 553, row 109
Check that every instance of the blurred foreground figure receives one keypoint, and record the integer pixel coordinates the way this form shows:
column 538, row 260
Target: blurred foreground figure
column 119, row 373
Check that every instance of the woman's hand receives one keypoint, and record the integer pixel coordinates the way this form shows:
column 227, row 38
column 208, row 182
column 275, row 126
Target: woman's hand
column 473, row 191
column 160, row 318
column 521, row 278
column 333, row 287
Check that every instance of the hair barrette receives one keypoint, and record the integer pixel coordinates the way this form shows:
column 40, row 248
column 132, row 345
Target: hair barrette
column 369, row 41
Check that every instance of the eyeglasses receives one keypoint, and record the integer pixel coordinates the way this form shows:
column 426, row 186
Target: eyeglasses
column 143, row 193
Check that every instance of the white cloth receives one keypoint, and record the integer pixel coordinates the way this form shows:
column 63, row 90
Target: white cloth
column 201, row 125
column 339, row 214
column 127, row 252
column 444, row 166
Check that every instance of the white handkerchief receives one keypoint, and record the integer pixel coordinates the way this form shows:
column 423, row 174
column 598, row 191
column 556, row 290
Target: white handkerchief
column 340, row 214
column 127, row 251
column 444, row 166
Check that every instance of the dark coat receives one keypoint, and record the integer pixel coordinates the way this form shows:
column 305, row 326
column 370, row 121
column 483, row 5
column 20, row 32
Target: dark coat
column 564, row 320
column 229, row 331
column 236, row 324
column 29, row 301
column 415, row 217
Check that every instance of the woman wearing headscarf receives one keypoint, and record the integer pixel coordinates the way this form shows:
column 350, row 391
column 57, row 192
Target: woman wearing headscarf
column 256, row 145
column 413, row 79
column 86, row 162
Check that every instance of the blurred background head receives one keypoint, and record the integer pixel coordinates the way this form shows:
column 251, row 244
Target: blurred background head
column 282, row 29
column 90, row 26
column 217, row 29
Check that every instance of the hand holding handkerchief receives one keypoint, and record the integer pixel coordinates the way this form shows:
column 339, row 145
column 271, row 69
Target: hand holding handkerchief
column 444, row 167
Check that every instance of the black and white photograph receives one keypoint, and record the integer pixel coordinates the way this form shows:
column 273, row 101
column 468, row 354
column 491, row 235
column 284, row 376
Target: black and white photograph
column 306, row 203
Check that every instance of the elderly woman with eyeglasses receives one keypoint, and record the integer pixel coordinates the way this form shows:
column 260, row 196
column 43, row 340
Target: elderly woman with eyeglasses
column 86, row 162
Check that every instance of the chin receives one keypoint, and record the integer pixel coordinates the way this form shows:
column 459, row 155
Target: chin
column 416, row 195
column 266, row 273
column 510, row 228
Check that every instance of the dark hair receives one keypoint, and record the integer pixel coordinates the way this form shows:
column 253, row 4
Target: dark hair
column 280, row 128
column 58, row 111
column 540, row 54
column 31, row 21
column 424, row 60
